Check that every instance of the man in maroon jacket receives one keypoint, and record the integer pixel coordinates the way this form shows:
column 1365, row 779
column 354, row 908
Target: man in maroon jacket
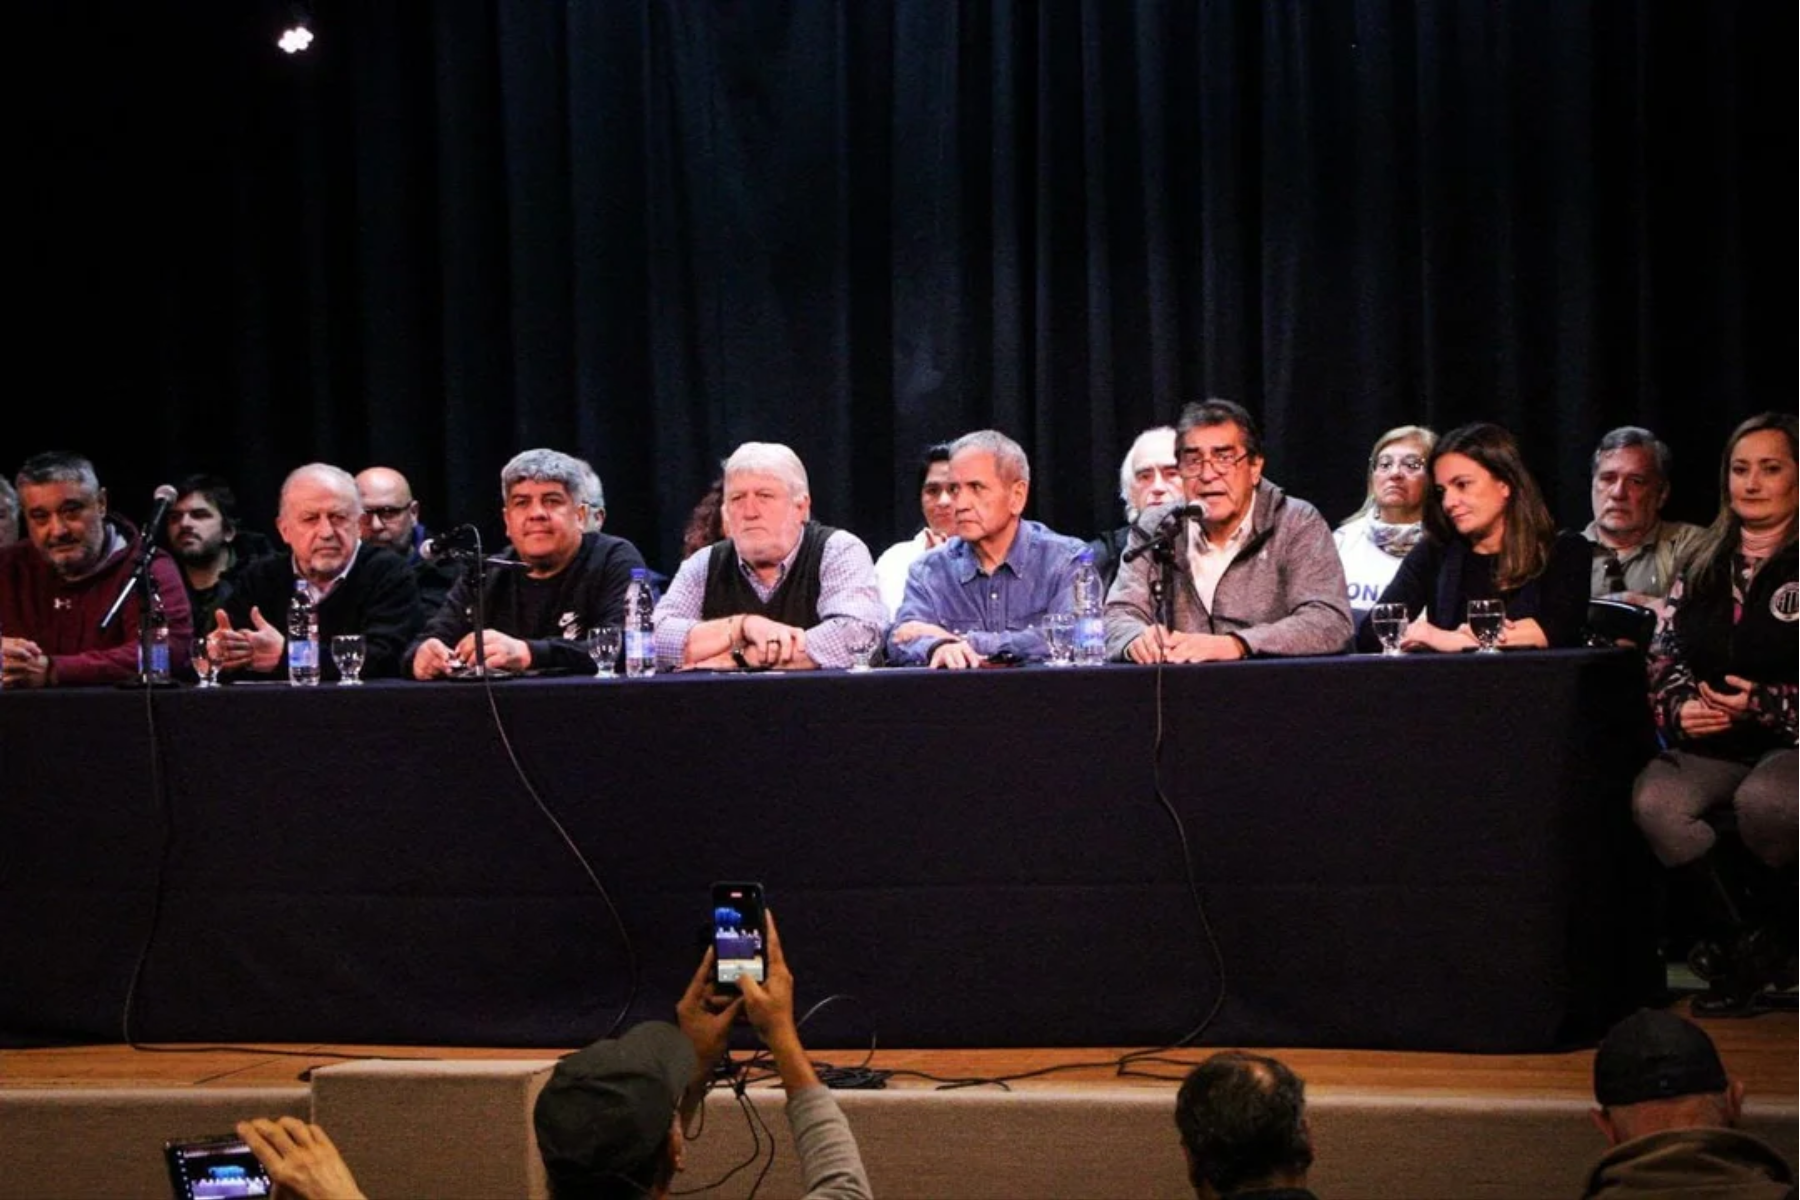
column 56, row 586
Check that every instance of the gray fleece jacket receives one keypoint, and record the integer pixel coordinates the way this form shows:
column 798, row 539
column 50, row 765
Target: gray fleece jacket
column 1284, row 593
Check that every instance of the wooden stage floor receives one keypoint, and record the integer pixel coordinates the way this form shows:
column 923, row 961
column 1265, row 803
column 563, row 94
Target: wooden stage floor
column 1763, row 1051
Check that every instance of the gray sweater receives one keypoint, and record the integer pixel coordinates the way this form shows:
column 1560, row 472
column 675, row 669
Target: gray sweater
column 1284, row 593
column 830, row 1164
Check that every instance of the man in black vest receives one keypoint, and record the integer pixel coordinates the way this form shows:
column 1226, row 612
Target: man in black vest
column 781, row 591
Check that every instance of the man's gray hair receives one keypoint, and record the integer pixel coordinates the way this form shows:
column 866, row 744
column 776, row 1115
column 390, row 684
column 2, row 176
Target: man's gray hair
column 546, row 466
column 58, row 466
column 1128, row 472
column 339, row 478
column 1627, row 436
column 1009, row 457
column 592, row 494
column 9, row 502
column 769, row 458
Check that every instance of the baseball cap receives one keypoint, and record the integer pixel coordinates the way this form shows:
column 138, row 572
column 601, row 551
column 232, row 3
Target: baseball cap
column 1655, row 1055
column 606, row 1109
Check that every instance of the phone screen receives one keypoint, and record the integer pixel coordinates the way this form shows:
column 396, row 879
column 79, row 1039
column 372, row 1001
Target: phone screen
column 217, row 1168
column 737, row 932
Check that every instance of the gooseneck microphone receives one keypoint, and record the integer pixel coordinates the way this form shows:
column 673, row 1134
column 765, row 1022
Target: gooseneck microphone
column 1166, row 531
column 451, row 544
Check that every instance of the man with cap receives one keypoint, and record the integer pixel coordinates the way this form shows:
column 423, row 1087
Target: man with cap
column 610, row 1120
column 1670, row 1113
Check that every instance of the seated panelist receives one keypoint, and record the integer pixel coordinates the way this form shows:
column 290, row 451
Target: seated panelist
column 1488, row 535
column 569, row 580
column 780, row 590
column 985, row 590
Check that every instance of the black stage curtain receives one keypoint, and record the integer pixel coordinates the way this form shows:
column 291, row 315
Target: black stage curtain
column 646, row 230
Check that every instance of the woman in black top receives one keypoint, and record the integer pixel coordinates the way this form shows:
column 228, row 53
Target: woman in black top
column 1488, row 535
column 1723, row 678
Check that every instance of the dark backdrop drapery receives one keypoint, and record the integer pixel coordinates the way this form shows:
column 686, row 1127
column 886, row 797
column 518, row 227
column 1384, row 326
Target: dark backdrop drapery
column 646, row 230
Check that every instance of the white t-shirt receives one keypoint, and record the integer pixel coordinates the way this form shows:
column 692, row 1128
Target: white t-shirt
column 1368, row 569
column 892, row 566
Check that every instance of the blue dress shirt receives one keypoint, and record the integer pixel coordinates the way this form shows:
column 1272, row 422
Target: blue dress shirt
column 946, row 587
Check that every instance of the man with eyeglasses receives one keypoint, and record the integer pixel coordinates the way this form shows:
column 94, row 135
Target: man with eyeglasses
column 390, row 517
column 1248, row 570
column 58, row 584
column 355, row 587
column 1148, row 477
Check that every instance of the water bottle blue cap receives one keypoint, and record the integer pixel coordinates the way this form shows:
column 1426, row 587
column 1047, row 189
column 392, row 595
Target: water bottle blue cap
column 640, row 572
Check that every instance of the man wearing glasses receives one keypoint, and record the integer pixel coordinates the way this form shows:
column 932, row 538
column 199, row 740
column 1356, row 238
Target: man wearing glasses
column 1246, row 569
column 56, row 586
column 390, row 517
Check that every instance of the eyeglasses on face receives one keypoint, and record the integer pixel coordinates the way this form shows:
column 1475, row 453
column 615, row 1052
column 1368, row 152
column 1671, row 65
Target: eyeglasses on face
column 1191, row 460
column 1412, row 464
column 387, row 512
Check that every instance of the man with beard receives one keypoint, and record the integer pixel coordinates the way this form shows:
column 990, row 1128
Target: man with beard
column 56, row 586
column 202, row 533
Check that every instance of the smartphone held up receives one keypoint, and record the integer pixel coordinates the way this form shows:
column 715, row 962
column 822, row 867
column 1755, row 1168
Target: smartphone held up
column 739, row 933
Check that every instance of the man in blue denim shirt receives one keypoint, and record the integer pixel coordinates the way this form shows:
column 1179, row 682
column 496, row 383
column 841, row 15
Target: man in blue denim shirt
column 984, row 591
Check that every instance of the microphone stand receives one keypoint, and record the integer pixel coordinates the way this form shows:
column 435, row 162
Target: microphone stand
column 1161, row 546
column 141, row 581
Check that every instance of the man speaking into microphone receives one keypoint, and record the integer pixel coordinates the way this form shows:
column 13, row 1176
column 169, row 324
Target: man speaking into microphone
column 1249, row 571
column 556, row 584
column 57, row 586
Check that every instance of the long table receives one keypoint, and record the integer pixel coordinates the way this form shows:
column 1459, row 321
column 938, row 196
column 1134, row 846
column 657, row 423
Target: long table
column 1429, row 853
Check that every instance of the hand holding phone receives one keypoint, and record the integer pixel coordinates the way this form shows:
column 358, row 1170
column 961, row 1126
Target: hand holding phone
column 738, row 934
column 220, row 1167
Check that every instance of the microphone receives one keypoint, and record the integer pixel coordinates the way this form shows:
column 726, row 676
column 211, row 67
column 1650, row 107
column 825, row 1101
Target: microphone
column 1167, row 530
column 455, row 543
column 165, row 496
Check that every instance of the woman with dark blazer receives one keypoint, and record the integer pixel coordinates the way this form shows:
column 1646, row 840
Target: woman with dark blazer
column 1488, row 535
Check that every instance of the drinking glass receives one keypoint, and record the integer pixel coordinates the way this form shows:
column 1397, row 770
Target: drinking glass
column 1059, row 638
column 205, row 665
column 603, row 645
column 1390, row 624
column 347, row 650
column 1486, row 619
column 862, row 643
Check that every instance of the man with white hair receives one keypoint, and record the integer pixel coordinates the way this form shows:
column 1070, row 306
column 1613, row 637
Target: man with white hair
column 1147, row 477
column 356, row 587
column 985, row 591
column 780, row 591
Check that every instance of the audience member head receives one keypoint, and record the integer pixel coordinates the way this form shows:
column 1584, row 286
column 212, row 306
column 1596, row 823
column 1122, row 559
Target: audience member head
column 1485, row 496
column 389, row 511
column 202, row 522
column 541, row 493
column 65, row 511
column 767, row 502
column 9, row 514
column 608, row 1121
column 706, row 524
column 1219, row 452
column 320, row 520
column 935, row 502
column 1630, row 483
column 1756, row 497
column 1397, row 479
column 1242, row 1119
column 594, row 496
column 1656, row 1071
column 1149, row 476
column 990, row 480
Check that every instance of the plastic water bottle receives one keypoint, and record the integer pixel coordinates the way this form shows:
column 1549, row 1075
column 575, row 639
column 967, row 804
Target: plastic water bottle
column 303, row 638
column 153, row 648
column 1089, row 597
column 640, row 633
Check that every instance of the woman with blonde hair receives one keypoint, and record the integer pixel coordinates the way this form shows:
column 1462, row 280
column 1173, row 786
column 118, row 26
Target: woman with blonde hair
column 1723, row 686
column 1373, row 540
